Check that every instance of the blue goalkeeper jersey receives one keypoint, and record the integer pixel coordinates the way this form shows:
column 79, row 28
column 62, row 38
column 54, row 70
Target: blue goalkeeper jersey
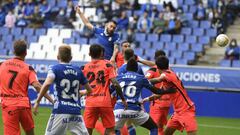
column 67, row 81
column 132, row 84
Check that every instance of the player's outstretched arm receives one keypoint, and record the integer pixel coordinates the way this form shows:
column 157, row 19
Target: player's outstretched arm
column 84, row 19
column 43, row 91
column 161, row 91
column 115, row 52
column 147, row 62
column 119, row 91
column 151, row 98
column 88, row 90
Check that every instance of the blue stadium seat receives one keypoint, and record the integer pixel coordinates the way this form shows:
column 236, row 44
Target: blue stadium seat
column 138, row 51
column 140, row 36
column 91, row 40
column 158, row 45
column 225, row 63
column 183, row 46
column 75, row 34
column 160, row 7
column 186, row 31
column 194, row 24
column 185, row 8
column 189, row 55
column 236, row 63
column 3, row 52
column 9, row 45
column 181, row 61
column 176, row 54
column 145, row 44
column 137, row 12
column 8, row 38
column 180, row 3
column 52, row 3
column 204, row 39
column 62, row 3
column 152, row 37
column 197, row 47
column 166, row 38
column 205, row 24
column 198, row 31
column 2, row 45
column 150, row 53
column 32, row 39
column 192, row 9
column 211, row 32
column 22, row 37
column 70, row 41
column 129, row 13
column 39, row 32
column 28, row 31
column 167, row 52
column 171, row 46
column 189, row 2
column 4, row 30
column 191, row 39
column 178, row 38
column 171, row 60
column 81, row 40
column 16, row 31
column 124, row 36
column 189, row 16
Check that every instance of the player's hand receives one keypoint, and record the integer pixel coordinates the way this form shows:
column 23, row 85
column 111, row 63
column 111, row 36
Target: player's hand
column 125, row 104
column 78, row 10
column 35, row 108
column 144, row 100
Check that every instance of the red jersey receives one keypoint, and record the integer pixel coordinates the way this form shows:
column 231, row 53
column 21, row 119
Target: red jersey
column 180, row 98
column 15, row 76
column 119, row 59
column 164, row 101
column 99, row 73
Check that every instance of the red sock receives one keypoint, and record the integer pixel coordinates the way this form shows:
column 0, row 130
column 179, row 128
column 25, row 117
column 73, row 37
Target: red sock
column 99, row 128
column 124, row 130
column 160, row 131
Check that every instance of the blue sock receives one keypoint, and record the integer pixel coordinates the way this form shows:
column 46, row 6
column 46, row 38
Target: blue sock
column 117, row 132
column 154, row 131
column 131, row 130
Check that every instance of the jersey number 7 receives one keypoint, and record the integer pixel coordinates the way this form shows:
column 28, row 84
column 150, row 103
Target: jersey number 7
column 14, row 75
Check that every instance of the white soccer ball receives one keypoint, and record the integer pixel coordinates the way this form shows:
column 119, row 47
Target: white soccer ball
column 222, row 40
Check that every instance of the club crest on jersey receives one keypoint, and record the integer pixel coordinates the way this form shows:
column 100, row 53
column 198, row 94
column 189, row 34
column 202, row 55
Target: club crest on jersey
column 110, row 39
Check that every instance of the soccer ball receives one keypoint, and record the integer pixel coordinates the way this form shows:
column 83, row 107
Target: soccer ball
column 222, row 40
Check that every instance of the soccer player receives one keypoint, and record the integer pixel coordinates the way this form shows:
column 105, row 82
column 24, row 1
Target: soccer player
column 160, row 106
column 128, row 54
column 66, row 113
column 15, row 76
column 184, row 109
column 106, row 37
column 132, row 84
column 98, row 104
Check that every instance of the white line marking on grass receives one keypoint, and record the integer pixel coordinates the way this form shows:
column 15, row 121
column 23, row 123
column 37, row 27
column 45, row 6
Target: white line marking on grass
column 218, row 126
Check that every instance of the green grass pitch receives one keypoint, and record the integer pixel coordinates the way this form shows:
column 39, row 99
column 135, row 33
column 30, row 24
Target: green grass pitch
column 206, row 125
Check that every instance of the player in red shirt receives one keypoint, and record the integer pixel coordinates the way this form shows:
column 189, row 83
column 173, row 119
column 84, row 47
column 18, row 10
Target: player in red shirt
column 160, row 105
column 15, row 77
column 118, row 57
column 98, row 104
column 184, row 109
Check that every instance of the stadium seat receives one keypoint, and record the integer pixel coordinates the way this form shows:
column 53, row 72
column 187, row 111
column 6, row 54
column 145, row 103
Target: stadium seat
column 198, row 31
column 189, row 55
column 69, row 41
column 194, row 24
column 30, row 54
column 65, row 33
column 16, row 31
column 32, row 39
column 178, row 38
column 192, row 9
column 39, row 54
column 150, row 53
column 3, row 52
column 158, row 45
column 186, row 31
column 2, row 45
column 167, row 52
column 189, row 2
column 44, row 40
column 211, row 32
column 140, row 36
column 171, row 60
column 145, row 44
column 40, row 32
column 204, row 39
column 138, row 51
column 75, row 34
column 53, row 32
column 176, row 54
column 183, row 46
column 4, row 30
column 22, row 37
column 28, row 31
column 82, row 40
column 8, row 39
column 52, row 55
column 165, row 38
column 205, row 24
column 171, row 46
column 35, row 47
column 75, row 48
column 236, row 63
column 225, row 63
column 91, row 41
column 197, row 47
column 62, row 3
column 49, row 48
column 180, row 3
column 52, row 3
column 152, row 37
column 56, row 40
column 129, row 13
column 78, row 57
column 191, row 39
column 84, row 49
column 137, row 12
column 181, row 61
column 189, row 16
column 185, row 8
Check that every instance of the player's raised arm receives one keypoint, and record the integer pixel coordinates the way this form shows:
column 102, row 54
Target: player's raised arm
column 43, row 91
column 84, row 19
column 119, row 91
column 115, row 52
column 146, row 62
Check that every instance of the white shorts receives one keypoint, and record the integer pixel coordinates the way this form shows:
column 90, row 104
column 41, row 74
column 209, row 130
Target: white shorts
column 58, row 124
column 136, row 117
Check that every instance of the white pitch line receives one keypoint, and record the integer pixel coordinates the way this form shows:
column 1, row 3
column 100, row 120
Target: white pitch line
column 218, row 126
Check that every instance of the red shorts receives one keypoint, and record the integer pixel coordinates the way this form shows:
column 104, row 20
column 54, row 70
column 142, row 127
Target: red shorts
column 12, row 116
column 159, row 115
column 184, row 120
column 92, row 114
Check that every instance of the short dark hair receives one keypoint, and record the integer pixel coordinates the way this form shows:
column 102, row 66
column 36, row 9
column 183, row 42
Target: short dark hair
column 129, row 53
column 132, row 65
column 112, row 22
column 20, row 47
column 65, row 53
column 95, row 51
column 159, row 53
column 162, row 62
column 123, row 42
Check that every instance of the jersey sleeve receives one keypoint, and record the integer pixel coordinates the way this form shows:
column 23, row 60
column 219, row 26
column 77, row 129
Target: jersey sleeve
column 117, row 39
column 111, row 70
column 146, row 83
column 140, row 71
column 150, row 73
column 83, row 79
column 32, row 75
column 96, row 30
